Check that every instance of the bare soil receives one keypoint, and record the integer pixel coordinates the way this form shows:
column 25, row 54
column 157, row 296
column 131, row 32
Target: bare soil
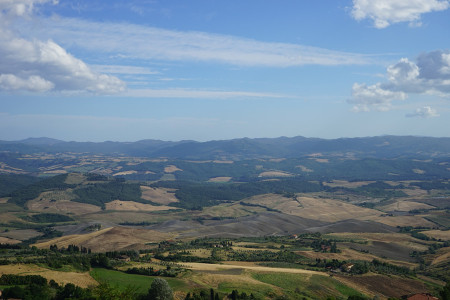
column 275, row 174
column 171, row 169
column 60, row 202
column 384, row 286
column 110, row 239
column 20, row 234
column 347, row 184
column 403, row 221
column 349, row 254
column 218, row 267
column 81, row 279
column 135, row 206
column 438, row 234
column 220, row 179
column 406, row 206
column 158, row 195
column 5, row 240
column 124, row 173
column 328, row 210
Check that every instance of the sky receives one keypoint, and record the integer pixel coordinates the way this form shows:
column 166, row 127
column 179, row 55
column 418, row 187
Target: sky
column 127, row 70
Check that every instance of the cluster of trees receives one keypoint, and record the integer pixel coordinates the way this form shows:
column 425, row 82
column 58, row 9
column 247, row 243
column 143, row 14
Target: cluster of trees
column 22, row 287
column 387, row 268
column 439, row 271
column 70, row 249
column 30, row 192
column 264, row 255
column 203, row 295
column 324, row 245
column 101, row 193
column 150, row 271
column 432, row 185
column 47, row 233
column 185, row 257
column 31, row 287
column 415, row 232
column 10, row 279
column 194, row 195
column 10, row 183
column 362, row 267
column 79, row 258
column 142, row 223
column 378, row 189
column 48, row 218
column 213, row 295
column 259, row 205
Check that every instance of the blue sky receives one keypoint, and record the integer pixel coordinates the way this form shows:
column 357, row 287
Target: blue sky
column 126, row 70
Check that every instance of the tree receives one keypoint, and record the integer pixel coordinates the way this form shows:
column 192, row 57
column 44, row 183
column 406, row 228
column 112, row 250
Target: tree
column 356, row 297
column 71, row 291
column 160, row 290
column 445, row 293
column 105, row 291
column 14, row 292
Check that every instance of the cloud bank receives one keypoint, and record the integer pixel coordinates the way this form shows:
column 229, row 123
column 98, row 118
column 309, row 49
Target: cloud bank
column 429, row 74
column 40, row 66
column 384, row 13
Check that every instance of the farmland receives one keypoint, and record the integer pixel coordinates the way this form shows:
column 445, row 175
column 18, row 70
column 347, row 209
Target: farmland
column 268, row 226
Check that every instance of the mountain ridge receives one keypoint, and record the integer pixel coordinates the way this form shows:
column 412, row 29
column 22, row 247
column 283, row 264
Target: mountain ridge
column 245, row 148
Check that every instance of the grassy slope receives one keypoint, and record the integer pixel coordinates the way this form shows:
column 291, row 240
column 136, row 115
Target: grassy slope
column 141, row 282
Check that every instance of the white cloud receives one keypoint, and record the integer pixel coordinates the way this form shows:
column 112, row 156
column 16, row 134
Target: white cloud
column 403, row 71
column 373, row 97
column 20, row 8
column 33, row 83
column 150, row 43
column 39, row 66
column 423, row 112
column 387, row 12
column 428, row 75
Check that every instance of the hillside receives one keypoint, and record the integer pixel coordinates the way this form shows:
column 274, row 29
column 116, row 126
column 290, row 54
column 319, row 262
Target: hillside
column 271, row 210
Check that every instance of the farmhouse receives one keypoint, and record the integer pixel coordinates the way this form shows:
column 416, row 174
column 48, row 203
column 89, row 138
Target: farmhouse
column 347, row 267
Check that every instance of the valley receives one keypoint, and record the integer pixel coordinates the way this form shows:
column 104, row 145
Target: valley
column 321, row 224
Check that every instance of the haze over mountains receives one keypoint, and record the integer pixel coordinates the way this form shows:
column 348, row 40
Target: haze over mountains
column 245, row 148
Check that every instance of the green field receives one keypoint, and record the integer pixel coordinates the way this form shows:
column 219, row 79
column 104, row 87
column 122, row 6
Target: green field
column 300, row 286
column 140, row 282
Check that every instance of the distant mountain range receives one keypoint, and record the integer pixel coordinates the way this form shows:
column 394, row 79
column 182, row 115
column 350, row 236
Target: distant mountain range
column 245, row 148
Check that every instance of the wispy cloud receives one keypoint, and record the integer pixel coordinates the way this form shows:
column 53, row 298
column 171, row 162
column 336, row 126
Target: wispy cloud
column 196, row 94
column 150, row 43
column 129, row 70
column 384, row 13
